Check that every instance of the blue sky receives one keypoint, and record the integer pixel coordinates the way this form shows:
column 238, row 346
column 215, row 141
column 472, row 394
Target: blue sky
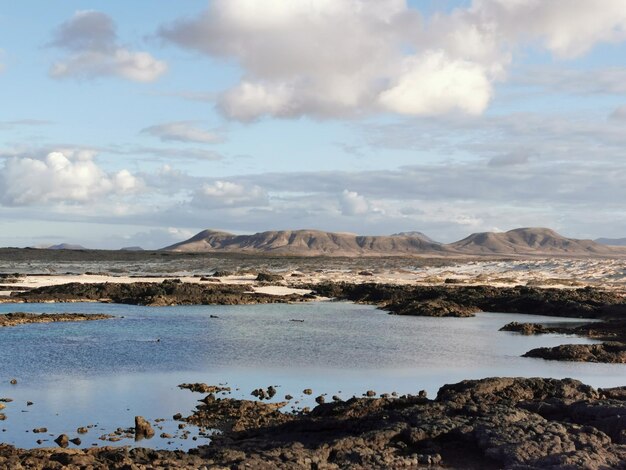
column 143, row 122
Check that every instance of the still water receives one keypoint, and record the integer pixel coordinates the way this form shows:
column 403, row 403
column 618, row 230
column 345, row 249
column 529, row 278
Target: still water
column 104, row 373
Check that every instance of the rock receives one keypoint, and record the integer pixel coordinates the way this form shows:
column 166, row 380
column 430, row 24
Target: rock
column 366, row 273
column 204, row 388
column 307, row 391
column 606, row 352
column 62, row 441
column 165, row 436
column 288, row 397
column 29, row 403
column 337, row 398
column 2, row 406
column 13, row 381
column 370, row 393
column 269, row 277
column 320, row 400
column 525, row 328
column 177, row 417
column 271, row 391
column 82, row 430
column 40, row 430
column 3, row 417
column 76, row 441
column 143, row 429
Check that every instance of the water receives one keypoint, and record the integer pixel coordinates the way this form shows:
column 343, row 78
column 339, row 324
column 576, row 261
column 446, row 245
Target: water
column 106, row 372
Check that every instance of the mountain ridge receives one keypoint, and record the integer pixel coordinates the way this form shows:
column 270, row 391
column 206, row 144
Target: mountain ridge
column 520, row 241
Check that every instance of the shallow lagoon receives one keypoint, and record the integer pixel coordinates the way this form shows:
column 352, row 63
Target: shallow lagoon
column 106, row 372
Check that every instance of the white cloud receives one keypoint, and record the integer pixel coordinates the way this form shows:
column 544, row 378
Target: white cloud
column 90, row 38
column 182, row 131
column 332, row 58
column 353, row 203
column 60, row 177
column 434, row 84
column 228, row 194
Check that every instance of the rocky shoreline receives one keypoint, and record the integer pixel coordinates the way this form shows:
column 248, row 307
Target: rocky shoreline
column 166, row 293
column 466, row 301
column 21, row 318
column 416, row 300
column 491, row 423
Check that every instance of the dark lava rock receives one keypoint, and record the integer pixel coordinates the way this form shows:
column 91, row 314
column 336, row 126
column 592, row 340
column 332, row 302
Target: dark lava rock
column 525, row 328
column 204, row 388
column 76, row 441
column 13, row 381
column 82, row 430
column 269, row 277
column 320, row 400
column 40, row 430
column 62, row 440
column 307, row 391
column 494, row 423
column 155, row 294
column 453, row 300
column 606, row 352
column 143, row 429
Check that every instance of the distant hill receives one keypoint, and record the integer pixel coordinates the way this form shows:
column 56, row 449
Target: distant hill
column 61, row 246
column 132, row 248
column 307, row 243
column 611, row 241
column 531, row 240
column 522, row 241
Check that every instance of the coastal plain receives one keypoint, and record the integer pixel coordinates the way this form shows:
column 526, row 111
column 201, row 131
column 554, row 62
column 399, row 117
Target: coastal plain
column 492, row 422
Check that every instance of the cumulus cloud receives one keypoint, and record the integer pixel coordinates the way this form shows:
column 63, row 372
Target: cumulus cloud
column 94, row 51
column 352, row 203
column 349, row 57
column 60, row 177
column 434, row 84
column 228, row 194
column 182, row 131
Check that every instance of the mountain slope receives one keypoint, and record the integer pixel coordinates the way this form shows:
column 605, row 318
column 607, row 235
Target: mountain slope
column 307, row 242
column 611, row 241
column 522, row 241
column 530, row 240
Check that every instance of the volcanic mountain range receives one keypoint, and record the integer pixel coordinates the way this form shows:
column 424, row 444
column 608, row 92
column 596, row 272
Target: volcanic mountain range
column 521, row 241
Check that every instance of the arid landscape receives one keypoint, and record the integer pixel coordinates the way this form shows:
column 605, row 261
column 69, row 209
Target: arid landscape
column 487, row 423
column 313, row 235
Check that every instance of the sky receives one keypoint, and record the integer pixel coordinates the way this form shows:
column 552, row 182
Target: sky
column 141, row 123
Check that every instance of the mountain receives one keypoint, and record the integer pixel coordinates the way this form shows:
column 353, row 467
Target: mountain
column 530, row 240
column 611, row 241
column 132, row 248
column 308, row 243
column 61, row 246
column 416, row 234
column 521, row 241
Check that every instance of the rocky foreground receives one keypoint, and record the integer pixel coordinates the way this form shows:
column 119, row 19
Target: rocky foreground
column 476, row 424
column 168, row 292
column 21, row 318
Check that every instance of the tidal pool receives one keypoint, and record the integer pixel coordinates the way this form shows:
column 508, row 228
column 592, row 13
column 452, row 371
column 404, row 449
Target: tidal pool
column 104, row 373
